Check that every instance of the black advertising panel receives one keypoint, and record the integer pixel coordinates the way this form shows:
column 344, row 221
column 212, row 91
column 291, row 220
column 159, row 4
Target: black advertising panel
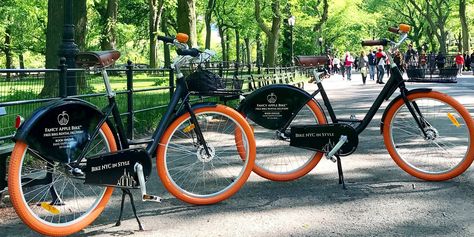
column 272, row 106
column 60, row 131
column 323, row 138
column 118, row 168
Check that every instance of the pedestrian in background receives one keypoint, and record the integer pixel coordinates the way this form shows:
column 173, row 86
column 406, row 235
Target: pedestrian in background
column 372, row 64
column 348, row 61
column 363, row 64
column 411, row 57
column 381, row 58
column 467, row 62
column 440, row 60
column 398, row 60
column 336, row 64
column 472, row 62
column 459, row 63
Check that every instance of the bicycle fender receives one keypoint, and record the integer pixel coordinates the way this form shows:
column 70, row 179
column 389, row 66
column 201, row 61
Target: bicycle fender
column 60, row 130
column 272, row 106
column 398, row 98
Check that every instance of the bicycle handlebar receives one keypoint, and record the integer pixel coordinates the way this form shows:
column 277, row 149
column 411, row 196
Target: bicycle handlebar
column 394, row 30
column 166, row 39
column 191, row 52
column 379, row 42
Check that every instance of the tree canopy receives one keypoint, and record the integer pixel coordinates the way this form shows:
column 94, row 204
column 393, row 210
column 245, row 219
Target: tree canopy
column 239, row 30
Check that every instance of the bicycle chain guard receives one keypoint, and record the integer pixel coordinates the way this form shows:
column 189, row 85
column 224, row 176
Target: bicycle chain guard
column 323, row 138
column 117, row 169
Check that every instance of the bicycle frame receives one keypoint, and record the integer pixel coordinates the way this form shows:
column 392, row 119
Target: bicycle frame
column 395, row 81
column 181, row 94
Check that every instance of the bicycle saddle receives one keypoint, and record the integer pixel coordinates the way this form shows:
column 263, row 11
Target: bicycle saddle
column 99, row 59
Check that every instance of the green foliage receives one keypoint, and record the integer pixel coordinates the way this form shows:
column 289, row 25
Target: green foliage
column 348, row 23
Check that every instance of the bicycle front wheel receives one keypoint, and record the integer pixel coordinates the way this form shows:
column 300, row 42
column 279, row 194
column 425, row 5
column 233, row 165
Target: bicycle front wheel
column 202, row 177
column 447, row 149
column 48, row 198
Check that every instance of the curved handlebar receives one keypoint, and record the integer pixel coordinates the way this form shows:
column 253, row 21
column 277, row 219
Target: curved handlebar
column 191, row 52
column 394, row 30
column 166, row 39
column 381, row 42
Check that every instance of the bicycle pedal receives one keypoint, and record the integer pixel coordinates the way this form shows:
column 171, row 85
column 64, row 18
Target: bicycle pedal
column 151, row 198
column 334, row 160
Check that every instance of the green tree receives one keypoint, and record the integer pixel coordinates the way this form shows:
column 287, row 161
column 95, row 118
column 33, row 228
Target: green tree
column 272, row 32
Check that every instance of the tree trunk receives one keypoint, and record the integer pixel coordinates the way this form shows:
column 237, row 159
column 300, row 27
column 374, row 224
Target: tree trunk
column 80, row 21
column 272, row 33
column 109, row 34
column 54, row 32
column 237, row 45
column 271, row 51
column 186, row 19
column 210, row 8
column 227, row 45
column 464, row 26
column 156, row 10
column 8, row 50
column 259, row 50
column 223, row 45
column 166, row 48
column 248, row 50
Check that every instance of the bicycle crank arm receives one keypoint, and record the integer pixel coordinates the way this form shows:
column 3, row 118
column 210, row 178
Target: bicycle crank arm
column 141, row 180
column 336, row 148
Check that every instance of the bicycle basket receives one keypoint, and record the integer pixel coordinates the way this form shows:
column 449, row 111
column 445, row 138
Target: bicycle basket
column 204, row 81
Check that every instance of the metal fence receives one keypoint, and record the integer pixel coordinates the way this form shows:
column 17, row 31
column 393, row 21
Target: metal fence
column 142, row 94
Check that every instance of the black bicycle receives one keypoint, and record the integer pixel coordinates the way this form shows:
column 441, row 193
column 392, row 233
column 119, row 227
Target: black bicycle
column 427, row 133
column 69, row 155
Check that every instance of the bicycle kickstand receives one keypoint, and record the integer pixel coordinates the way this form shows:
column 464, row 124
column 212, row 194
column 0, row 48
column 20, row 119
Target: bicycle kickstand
column 126, row 191
column 333, row 153
column 339, row 171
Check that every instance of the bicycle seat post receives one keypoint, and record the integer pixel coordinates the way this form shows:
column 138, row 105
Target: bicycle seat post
column 108, row 87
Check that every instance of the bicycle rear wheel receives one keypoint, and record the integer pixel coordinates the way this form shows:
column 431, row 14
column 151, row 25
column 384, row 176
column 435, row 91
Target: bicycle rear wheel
column 31, row 193
column 276, row 159
column 446, row 152
column 193, row 176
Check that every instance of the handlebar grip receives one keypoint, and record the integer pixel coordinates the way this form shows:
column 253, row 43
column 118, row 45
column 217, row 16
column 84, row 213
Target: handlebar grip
column 166, row 39
column 382, row 42
column 394, row 30
column 191, row 52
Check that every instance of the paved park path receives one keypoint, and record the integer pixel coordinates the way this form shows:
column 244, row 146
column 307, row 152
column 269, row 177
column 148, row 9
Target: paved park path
column 381, row 199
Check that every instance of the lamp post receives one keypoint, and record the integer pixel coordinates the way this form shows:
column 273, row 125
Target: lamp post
column 291, row 23
column 68, row 48
column 321, row 45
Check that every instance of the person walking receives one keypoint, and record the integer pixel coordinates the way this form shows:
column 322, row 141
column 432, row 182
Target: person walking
column 348, row 61
column 372, row 64
column 440, row 60
column 472, row 63
column 398, row 60
column 459, row 63
column 467, row 62
column 411, row 57
column 336, row 64
column 381, row 57
column 363, row 63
